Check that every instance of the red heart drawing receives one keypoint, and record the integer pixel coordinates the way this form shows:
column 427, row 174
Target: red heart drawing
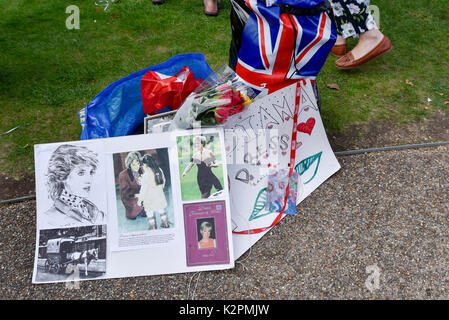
column 307, row 127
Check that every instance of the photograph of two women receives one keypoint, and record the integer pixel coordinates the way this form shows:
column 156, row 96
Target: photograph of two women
column 143, row 190
column 144, row 186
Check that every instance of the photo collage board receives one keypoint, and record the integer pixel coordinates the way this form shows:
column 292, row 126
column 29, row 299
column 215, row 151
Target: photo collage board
column 132, row 206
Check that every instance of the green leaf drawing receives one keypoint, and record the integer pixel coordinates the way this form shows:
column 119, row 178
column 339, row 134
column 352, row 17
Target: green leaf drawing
column 260, row 205
column 305, row 164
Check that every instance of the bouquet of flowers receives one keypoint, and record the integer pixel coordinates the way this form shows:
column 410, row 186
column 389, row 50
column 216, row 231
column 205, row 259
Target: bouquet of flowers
column 217, row 98
column 215, row 105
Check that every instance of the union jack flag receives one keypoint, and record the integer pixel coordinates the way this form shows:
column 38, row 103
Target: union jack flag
column 278, row 49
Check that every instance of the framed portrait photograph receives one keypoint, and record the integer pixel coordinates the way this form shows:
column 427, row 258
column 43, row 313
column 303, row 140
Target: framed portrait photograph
column 159, row 123
column 206, row 233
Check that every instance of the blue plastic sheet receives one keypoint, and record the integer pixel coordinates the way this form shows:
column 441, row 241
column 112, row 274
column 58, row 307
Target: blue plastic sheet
column 117, row 110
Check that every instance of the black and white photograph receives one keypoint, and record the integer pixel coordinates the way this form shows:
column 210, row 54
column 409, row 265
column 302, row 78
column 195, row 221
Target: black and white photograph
column 70, row 254
column 71, row 176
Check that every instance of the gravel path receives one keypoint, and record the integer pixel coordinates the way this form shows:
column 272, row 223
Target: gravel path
column 385, row 213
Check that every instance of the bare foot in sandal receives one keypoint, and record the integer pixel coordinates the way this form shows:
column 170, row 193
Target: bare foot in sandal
column 211, row 7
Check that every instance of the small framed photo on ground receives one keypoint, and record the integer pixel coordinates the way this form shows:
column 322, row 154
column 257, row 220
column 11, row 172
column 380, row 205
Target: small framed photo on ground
column 206, row 233
column 159, row 123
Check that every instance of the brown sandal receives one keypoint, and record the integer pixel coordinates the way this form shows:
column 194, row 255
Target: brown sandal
column 348, row 61
column 339, row 50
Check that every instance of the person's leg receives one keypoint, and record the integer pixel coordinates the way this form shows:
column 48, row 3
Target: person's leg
column 205, row 195
column 211, row 7
column 217, row 184
column 340, row 40
column 164, row 221
column 353, row 19
column 151, row 220
column 367, row 41
column 339, row 49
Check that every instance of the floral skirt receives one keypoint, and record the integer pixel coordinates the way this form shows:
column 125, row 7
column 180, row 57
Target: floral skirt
column 352, row 17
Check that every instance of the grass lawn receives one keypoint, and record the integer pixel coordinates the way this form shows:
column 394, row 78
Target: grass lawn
column 48, row 73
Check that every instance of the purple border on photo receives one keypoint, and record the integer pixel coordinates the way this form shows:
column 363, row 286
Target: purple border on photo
column 201, row 210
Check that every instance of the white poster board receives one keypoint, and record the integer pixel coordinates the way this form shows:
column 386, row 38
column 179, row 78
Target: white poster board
column 101, row 214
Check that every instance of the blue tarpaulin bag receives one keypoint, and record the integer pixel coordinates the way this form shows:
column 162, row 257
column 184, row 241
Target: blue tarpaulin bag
column 117, row 110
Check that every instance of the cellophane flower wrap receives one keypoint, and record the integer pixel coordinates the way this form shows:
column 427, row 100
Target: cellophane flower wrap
column 220, row 96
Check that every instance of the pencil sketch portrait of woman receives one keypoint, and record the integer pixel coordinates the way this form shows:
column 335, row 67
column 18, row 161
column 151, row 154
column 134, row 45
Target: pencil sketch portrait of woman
column 70, row 174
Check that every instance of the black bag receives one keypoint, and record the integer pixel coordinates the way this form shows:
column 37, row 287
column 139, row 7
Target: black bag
column 239, row 15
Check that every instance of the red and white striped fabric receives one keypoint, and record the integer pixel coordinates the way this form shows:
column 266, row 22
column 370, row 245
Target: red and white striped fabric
column 278, row 48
